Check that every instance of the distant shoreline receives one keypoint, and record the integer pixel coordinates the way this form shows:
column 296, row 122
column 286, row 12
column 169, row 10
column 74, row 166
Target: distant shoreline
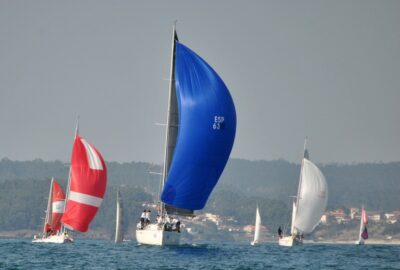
column 367, row 242
column 28, row 234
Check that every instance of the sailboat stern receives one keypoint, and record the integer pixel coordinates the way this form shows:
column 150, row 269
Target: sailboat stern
column 154, row 235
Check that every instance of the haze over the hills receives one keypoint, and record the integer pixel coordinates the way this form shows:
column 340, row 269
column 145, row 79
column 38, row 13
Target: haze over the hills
column 329, row 70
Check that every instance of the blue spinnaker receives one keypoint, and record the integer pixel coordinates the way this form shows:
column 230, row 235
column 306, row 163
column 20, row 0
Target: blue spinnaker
column 207, row 126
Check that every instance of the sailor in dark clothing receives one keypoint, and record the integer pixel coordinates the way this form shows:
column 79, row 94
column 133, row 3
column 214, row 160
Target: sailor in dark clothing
column 280, row 232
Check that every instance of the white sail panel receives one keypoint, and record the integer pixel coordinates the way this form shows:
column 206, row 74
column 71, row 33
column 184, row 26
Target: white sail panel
column 313, row 197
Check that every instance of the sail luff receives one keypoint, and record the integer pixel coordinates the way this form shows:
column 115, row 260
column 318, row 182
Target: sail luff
column 361, row 228
column 69, row 177
column 119, row 221
column 296, row 203
column 49, row 208
column 172, row 118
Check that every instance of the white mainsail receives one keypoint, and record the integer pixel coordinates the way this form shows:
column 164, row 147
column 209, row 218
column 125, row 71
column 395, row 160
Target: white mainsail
column 119, row 222
column 312, row 198
column 257, row 227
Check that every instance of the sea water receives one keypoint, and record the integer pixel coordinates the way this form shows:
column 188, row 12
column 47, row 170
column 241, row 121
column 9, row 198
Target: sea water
column 99, row 254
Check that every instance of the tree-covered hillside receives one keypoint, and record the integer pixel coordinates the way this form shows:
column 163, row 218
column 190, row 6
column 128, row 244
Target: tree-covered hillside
column 376, row 185
column 244, row 184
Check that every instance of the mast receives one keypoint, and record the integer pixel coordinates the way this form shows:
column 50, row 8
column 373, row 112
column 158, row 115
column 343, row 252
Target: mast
column 69, row 177
column 296, row 204
column 172, row 119
column 49, row 205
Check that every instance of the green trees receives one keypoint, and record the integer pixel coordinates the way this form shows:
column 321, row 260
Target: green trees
column 24, row 189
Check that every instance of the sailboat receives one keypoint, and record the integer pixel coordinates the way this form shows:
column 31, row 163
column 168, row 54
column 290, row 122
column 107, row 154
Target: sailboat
column 87, row 183
column 310, row 202
column 200, row 131
column 118, row 222
column 363, row 235
column 54, row 212
column 257, row 228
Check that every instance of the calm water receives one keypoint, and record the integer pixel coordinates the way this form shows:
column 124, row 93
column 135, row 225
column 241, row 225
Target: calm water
column 94, row 254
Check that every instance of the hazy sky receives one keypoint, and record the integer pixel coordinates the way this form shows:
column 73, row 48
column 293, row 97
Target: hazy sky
column 326, row 69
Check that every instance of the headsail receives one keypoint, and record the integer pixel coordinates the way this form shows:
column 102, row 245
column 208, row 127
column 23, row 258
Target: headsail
column 312, row 198
column 206, row 132
column 88, row 185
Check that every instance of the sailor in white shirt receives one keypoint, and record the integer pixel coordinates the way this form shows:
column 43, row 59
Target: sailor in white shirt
column 142, row 219
column 176, row 224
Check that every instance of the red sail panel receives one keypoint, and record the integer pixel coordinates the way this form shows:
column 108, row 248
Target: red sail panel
column 88, row 186
column 58, row 199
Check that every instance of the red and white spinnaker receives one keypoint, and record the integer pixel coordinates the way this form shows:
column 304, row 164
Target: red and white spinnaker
column 87, row 185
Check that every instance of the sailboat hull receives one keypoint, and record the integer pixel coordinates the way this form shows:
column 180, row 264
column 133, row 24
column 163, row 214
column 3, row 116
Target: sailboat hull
column 360, row 242
column 289, row 241
column 55, row 239
column 154, row 235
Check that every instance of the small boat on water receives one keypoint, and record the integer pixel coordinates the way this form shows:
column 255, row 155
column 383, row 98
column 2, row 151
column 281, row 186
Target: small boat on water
column 54, row 212
column 257, row 228
column 86, row 188
column 200, row 131
column 363, row 234
column 310, row 202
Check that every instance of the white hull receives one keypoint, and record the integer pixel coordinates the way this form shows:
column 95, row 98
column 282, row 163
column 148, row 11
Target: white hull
column 253, row 243
column 360, row 242
column 55, row 239
column 152, row 234
column 289, row 241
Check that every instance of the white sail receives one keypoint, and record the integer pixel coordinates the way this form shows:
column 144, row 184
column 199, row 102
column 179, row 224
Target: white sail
column 118, row 222
column 257, row 227
column 312, row 198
